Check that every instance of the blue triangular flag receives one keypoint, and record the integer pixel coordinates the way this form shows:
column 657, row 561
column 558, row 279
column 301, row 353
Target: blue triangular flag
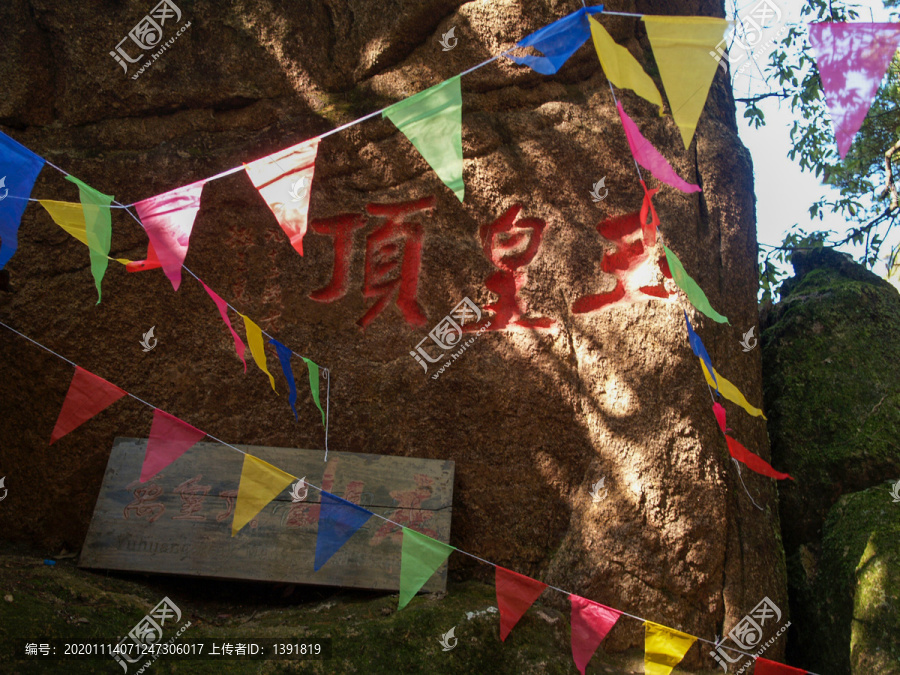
column 284, row 355
column 557, row 42
column 700, row 350
column 19, row 168
column 338, row 520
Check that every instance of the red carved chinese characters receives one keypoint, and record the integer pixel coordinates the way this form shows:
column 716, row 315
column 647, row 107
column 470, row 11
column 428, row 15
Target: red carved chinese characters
column 341, row 228
column 408, row 512
column 191, row 498
column 144, row 503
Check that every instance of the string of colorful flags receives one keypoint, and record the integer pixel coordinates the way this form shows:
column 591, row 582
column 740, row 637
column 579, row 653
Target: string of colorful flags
column 420, row 555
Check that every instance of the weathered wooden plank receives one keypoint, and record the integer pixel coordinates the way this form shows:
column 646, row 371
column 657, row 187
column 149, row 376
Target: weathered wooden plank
column 180, row 521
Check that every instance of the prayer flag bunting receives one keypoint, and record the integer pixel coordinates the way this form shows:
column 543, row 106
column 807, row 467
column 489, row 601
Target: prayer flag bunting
column 591, row 622
column 314, row 385
column 87, row 396
column 852, row 59
column 168, row 219
column 284, row 180
column 648, row 228
column 621, row 68
column 729, row 391
column 557, row 41
column 19, row 168
column 70, row 217
column 432, row 121
column 260, row 483
column 98, row 228
column 169, row 439
column 766, row 667
column 223, row 312
column 284, row 356
column 699, row 349
column 755, row 462
column 649, row 157
column 515, row 594
column 664, row 648
column 691, row 288
column 420, row 556
column 257, row 347
column 681, row 47
column 338, row 521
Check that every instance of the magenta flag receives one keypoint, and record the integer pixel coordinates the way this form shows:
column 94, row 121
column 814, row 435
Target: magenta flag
column 649, row 157
column 223, row 312
column 169, row 219
column 719, row 412
column 169, row 439
column 852, row 59
column 591, row 622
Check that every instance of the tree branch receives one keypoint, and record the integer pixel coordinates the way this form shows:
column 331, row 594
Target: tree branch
column 771, row 94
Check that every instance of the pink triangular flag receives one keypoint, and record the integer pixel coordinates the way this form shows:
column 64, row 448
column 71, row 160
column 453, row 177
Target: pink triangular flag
column 169, row 439
column 852, row 59
column 88, row 395
column 284, row 180
column 223, row 312
column 515, row 594
column 168, row 219
column 649, row 157
column 591, row 622
column 719, row 412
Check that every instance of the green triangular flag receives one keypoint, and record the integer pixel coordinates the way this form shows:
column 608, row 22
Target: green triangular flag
column 419, row 559
column 314, row 384
column 98, row 226
column 691, row 288
column 432, row 121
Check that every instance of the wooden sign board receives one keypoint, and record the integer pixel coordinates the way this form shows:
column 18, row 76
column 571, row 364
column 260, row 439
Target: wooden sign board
column 179, row 522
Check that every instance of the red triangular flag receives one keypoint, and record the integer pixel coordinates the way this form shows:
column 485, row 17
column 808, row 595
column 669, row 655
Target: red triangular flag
column 170, row 438
column 719, row 412
column 766, row 667
column 649, row 227
column 755, row 462
column 591, row 622
column 515, row 594
column 151, row 263
column 88, row 395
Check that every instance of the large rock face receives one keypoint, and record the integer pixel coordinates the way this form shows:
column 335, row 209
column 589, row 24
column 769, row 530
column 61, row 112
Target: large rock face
column 539, row 407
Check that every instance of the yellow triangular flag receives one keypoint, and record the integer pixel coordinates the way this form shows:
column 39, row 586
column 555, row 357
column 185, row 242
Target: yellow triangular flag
column 664, row 648
column 681, row 47
column 621, row 68
column 257, row 348
column 729, row 391
column 260, row 483
column 70, row 217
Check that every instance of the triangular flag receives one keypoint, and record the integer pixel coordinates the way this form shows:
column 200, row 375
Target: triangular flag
column 260, row 484
column 754, row 462
column 664, row 647
column 88, row 395
column 223, row 312
column 698, row 348
column 591, row 622
column 515, row 594
column 169, row 439
column 649, row 227
column 338, row 520
column 284, row 180
column 556, row 41
column 852, row 59
column 621, row 68
column 19, row 168
column 284, row 356
column 766, row 667
column 150, row 263
column 257, row 347
column 98, row 228
column 691, row 288
column 432, row 121
column 314, row 385
column 681, row 46
column 649, row 157
column 70, row 217
column 719, row 412
column 168, row 219
column 420, row 556
column 729, row 391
